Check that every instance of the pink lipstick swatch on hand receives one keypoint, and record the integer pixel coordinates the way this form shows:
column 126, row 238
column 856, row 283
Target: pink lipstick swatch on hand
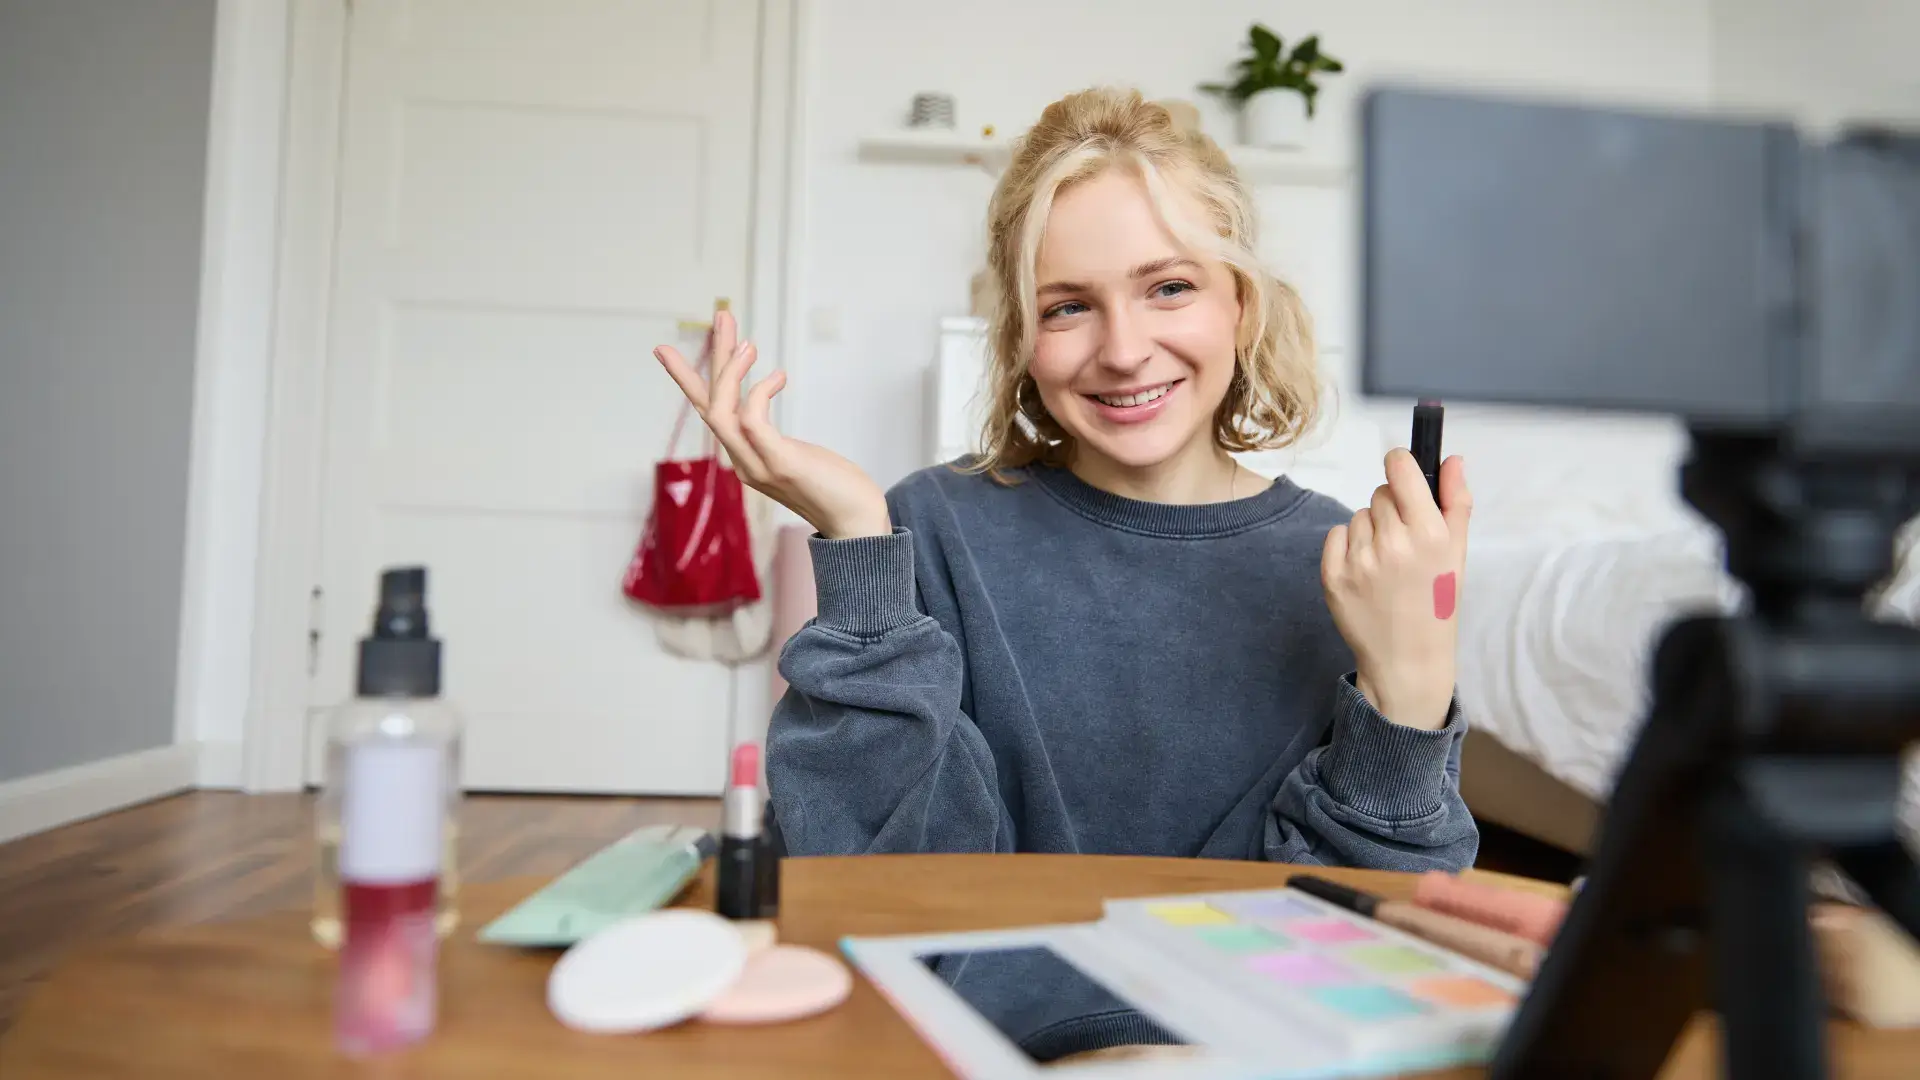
column 1445, row 595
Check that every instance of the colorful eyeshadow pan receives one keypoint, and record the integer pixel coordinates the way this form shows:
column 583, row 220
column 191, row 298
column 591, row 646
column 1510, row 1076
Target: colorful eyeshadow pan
column 1368, row 1002
column 1460, row 992
column 1328, row 931
column 1310, row 969
column 1241, row 939
column 1393, row 959
column 1190, row 915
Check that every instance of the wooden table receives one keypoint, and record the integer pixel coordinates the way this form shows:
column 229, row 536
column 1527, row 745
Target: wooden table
column 251, row 998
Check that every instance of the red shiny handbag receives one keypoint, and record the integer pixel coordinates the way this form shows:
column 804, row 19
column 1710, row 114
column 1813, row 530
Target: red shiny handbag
column 696, row 555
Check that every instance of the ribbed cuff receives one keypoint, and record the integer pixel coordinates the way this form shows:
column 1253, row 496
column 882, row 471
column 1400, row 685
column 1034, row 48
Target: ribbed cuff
column 864, row 585
column 1383, row 769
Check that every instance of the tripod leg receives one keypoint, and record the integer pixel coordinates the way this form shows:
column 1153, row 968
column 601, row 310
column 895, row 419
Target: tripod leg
column 1767, row 983
column 1888, row 874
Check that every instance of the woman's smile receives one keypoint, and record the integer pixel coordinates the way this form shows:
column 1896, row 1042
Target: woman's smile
column 1133, row 405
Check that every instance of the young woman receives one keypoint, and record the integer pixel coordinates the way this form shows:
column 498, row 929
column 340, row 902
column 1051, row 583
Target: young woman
column 1104, row 634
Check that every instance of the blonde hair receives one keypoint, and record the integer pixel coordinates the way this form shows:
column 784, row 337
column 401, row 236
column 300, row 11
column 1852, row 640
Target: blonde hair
column 1275, row 390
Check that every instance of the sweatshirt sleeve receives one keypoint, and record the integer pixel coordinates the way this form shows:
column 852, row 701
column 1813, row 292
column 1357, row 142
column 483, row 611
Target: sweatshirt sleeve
column 1378, row 795
column 869, row 751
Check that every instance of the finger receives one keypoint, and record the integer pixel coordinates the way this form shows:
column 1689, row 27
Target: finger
column 727, row 379
column 725, row 336
column 716, row 410
column 1387, row 526
column 684, row 376
column 1456, row 501
column 1333, row 556
column 756, row 424
column 758, row 408
column 1360, row 533
column 1411, row 496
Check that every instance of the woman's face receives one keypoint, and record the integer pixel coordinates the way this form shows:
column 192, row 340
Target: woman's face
column 1134, row 349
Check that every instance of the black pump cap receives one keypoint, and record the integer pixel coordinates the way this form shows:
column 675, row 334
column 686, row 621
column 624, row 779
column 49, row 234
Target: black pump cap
column 400, row 658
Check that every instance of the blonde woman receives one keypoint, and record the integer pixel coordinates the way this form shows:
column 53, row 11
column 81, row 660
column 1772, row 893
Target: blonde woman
column 1104, row 634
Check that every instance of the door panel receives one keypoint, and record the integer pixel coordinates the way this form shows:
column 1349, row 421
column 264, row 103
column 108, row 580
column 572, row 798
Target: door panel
column 533, row 194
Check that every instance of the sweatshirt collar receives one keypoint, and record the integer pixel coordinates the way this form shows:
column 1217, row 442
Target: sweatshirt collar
column 1168, row 520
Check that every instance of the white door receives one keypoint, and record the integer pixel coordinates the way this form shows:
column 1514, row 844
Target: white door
column 534, row 193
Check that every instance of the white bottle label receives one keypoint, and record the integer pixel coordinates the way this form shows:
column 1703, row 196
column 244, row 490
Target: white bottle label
column 392, row 812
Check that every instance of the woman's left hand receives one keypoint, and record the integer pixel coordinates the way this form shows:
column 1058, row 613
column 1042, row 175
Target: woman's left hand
column 1393, row 577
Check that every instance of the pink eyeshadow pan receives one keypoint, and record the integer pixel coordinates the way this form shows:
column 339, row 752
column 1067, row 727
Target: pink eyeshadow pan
column 1327, row 931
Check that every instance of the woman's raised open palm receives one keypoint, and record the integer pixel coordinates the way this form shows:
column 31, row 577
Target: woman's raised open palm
column 829, row 491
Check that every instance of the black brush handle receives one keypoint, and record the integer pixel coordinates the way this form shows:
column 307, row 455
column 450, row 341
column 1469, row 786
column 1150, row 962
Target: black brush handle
column 1335, row 893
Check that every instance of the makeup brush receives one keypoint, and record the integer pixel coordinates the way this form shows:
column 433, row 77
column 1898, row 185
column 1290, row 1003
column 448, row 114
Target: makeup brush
column 1514, row 955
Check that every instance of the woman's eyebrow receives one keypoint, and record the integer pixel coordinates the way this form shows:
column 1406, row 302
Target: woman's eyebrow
column 1161, row 265
column 1143, row 270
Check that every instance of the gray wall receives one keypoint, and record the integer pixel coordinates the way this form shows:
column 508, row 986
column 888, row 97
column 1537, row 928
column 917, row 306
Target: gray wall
column 103, row 135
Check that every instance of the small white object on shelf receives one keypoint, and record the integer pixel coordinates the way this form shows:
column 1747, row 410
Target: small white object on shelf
column 1257, row 165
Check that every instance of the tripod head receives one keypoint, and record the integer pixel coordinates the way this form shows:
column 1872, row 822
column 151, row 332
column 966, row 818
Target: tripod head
column 1808, row 535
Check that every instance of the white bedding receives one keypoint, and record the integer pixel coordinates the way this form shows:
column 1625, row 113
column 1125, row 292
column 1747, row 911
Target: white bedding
column 1556, row 637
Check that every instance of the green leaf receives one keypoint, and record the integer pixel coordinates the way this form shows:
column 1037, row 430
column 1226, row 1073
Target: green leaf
column 1328, row 63
column 1266, row 43
column 1308, row 50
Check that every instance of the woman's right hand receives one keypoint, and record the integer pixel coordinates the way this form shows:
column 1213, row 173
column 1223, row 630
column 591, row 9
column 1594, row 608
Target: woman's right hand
column 829, row 491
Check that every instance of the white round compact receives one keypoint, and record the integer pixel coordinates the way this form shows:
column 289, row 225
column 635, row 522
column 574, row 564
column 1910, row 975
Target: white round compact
column 646, row 972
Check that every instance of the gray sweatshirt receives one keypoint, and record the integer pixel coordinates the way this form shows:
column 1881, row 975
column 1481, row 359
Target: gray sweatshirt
column 1050, row 667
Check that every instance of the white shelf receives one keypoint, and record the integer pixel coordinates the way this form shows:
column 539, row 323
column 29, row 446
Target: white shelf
column 1257, row 165
column 936, row 146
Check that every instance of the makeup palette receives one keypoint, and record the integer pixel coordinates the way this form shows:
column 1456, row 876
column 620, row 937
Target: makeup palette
column 1365, row 985
column 1268, row 983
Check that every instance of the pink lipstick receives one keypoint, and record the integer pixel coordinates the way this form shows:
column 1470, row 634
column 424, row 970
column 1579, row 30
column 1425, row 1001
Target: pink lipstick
column 737, row 889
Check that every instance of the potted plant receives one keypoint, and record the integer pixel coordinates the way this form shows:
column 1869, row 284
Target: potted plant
column 1275, row 89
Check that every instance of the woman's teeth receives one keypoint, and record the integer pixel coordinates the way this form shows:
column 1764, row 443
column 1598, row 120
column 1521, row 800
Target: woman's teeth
column 1123, row 401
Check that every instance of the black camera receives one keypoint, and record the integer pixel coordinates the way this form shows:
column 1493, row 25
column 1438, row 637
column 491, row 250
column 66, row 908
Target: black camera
column 1727, row 272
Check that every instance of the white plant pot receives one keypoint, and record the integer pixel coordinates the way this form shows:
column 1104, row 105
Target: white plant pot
column 1275, row 119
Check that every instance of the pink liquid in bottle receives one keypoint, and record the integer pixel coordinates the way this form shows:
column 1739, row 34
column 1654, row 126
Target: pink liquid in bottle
column 387, row 994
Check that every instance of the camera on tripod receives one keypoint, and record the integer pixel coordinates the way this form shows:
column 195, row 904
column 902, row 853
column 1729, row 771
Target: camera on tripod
column 1766, row 289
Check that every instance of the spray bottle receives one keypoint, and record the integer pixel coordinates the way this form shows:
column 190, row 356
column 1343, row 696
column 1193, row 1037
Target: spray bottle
column 391, row 789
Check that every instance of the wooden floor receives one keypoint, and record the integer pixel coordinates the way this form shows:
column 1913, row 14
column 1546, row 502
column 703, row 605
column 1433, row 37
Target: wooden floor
column 213, row 855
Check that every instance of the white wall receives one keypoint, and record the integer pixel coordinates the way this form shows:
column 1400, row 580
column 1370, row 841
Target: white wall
column 889, row 248
column 1819, row 61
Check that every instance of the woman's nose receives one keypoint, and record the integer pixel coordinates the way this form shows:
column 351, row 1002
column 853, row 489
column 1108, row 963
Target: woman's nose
column 1127, row 346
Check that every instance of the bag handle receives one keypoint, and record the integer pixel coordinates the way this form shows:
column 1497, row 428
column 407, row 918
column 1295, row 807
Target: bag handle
column 686, row 407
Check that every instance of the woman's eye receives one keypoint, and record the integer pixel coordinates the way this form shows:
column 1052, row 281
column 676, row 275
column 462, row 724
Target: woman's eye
column 1070, row 307
column 1168, row 289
